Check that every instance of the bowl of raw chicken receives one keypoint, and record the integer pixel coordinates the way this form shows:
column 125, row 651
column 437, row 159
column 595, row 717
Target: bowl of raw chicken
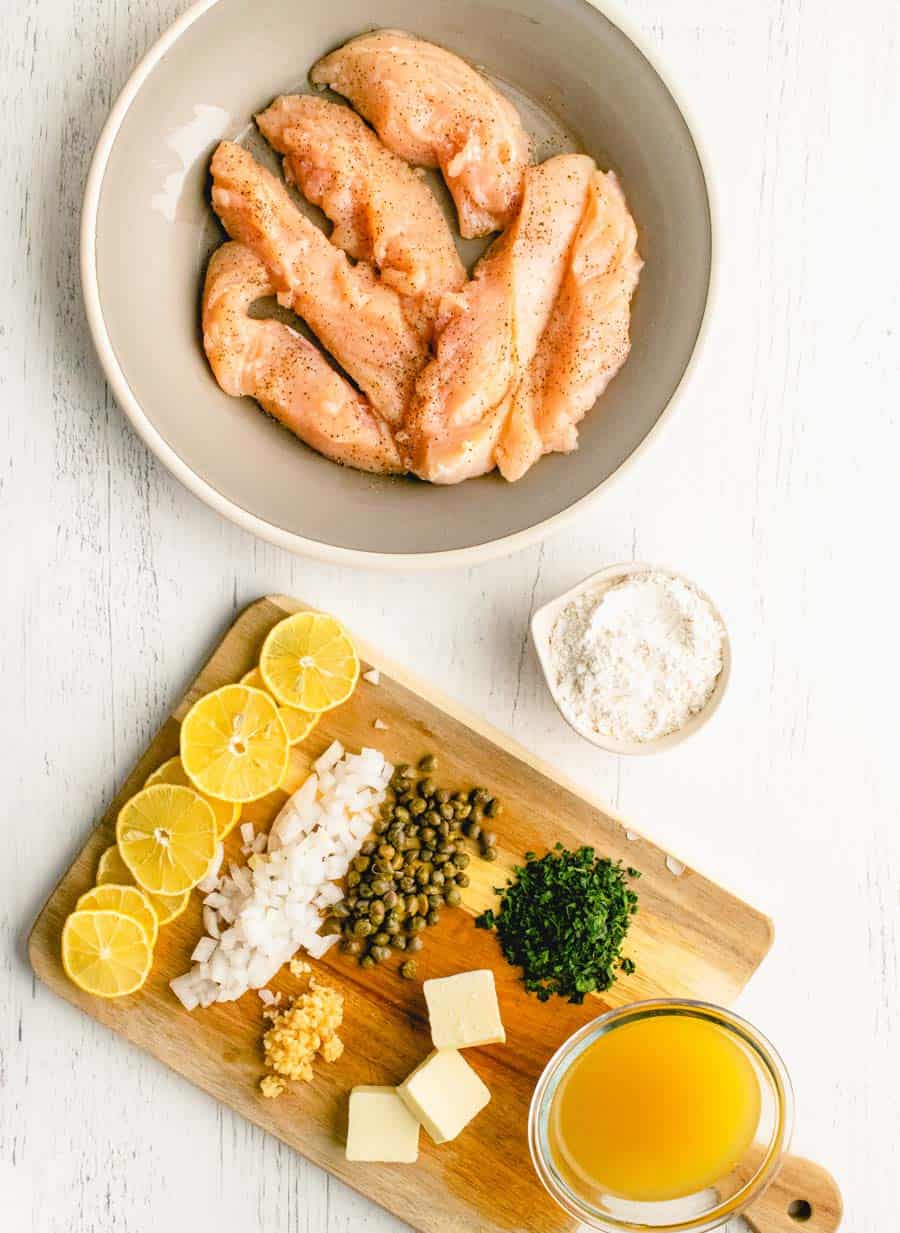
column 402, row 293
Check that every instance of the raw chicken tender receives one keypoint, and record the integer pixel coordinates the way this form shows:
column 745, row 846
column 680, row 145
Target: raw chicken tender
column 358, row 319
column 487, row 335
column 382, row 211
column 288, row 376
column 586, row 341
column 435, row 110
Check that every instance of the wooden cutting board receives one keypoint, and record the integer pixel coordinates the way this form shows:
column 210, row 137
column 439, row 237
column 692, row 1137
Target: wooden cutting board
column 691, row 938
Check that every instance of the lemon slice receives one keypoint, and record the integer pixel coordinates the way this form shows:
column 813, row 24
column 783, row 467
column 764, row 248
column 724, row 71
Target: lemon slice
column 234, row 744
column 226, row 814
column 105, row 953
column 112, row 868
column 309, row 662
column 167, row 837
column 298, row 723
column 127, row 901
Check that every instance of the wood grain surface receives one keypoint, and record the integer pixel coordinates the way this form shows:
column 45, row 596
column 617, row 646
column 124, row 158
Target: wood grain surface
column 690, row 938
column 775, row 487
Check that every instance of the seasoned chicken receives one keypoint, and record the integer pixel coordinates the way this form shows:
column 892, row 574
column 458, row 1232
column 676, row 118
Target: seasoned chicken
column 487, row 335
column 358, row 319
column 288, row 376
column 586, row 341
column 382, row 210
column 435, row 110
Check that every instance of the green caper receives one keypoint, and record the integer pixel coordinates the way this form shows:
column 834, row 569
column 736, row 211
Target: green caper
column 477, row 813
column 429, row 834
column 412, row 904
column 493, row 808
column 389, row 899
column 452, row 897
column 365, row 891
column 382, row 938
column 433, row 917
column 461, row 860
column 434, row 901
column 361, row 863
column 368, row 848
column 341, row 910
column 391, row 927
column 423, row 873
column 380, row 886
column 351, row 946
column 489, row 854
column 417, row 806
column 386, row 810
column 366, row 961
column 378, row 912
column 396, row 835
column 398, row 863
column 407, row 885
column 426, row 788
column 331, row 926
column 387, row 851
column 446, row 811
column 381, row 954
column 423, row 903
column 403, row 771
column 415, row 944
column 353, row 878
column 488, row 839
column 450, row 870
column 417, row 924
column 472, row 828
column 442, row 796
column 398, row 941
column 408, row 970
column 440, row 858
column 464, row 811
column 437, row 878
column 363, row 928
column 381, row 826
column 462, row 879
column 351, row 900
column 481, row 796
column 428, row 763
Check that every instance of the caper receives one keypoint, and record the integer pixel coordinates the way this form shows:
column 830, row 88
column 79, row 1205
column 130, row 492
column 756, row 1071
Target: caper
column 399, row 941
column 341, row 910
column 397, row 833
column 387, row 851
column 473, row 830
column 381, row 826
column 380, row 886
column 437, row 878
column 417, row 924
column 434, row 901
column 381, row 954
column 365, row 891
column 452, row 897
column 462, row 879
column 489, row 854
column 386, row 810
column 423, row 873
column 429, row 834
column 415, row 944
column 426, row 788
column 423, row 903
column 351, row 900
column 440, row 858
column 382, row 938
column 361, row 863
column 366, row 961
column 408, row 970
column 353, row 878
column 464, row 811
column 477, row 813
column 442, row 796
column 391, row 927
column 398, row 862
column 389, row 899
column 397, row 913
column 433, row 917
column 363, row 928
column 412, row 904
column 481, row 795
column 407, row 885
column 493, row 808
column 428, row 763
column 368, row 848
column 488, row 839
column 351, row 946
column 449, row 870
column 378, row 912
column 331, row 926
column 403, row 771
column 461, row 860
column 417, row 806
column 446, row 811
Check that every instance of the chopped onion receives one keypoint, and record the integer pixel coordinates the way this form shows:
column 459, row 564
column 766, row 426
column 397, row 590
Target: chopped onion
column 256, row 916
column 373, row 676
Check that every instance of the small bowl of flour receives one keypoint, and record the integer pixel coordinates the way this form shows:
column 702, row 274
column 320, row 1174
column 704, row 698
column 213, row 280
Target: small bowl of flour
column 636, row 657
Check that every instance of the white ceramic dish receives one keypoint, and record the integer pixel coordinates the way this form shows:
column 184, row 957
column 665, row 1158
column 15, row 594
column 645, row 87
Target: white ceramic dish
column 580, row 80
column 542, row 625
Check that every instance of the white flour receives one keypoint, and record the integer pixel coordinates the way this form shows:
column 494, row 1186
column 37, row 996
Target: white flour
column 636, row 661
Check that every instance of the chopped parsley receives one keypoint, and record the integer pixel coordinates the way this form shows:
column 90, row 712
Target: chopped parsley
column 562, row 919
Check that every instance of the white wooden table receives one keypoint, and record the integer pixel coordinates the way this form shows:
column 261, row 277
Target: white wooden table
column 777, row 489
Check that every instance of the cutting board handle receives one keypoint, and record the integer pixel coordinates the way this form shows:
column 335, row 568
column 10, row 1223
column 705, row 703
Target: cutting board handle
column 803, row 1198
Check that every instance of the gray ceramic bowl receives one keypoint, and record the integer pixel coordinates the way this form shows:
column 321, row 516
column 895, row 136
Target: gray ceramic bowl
column 147, row 232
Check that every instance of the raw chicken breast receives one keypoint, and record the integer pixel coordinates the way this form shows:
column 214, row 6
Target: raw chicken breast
column 382, row 211
column 487, row 335
column 435, row 110
column 587, row 339
column 360, row 321
column 287, row 375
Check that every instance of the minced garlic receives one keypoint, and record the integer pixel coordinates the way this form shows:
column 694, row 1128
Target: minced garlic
column 305, row 1026
column 298, row 967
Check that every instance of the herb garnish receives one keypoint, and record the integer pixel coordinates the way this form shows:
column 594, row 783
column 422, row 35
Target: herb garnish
column 562, row 919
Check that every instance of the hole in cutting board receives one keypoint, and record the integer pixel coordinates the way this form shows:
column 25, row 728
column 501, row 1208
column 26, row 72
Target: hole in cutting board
column 800, row 1210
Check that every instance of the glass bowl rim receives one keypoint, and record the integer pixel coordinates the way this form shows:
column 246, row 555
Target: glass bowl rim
column 734, row 1024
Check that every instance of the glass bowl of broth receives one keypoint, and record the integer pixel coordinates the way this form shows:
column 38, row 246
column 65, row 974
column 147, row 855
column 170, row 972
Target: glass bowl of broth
column 662, row 1115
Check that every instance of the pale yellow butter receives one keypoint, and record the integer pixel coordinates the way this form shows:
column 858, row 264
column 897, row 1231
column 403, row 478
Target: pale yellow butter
column 463, row 1010
column 444, row 1093
column 381, row 1127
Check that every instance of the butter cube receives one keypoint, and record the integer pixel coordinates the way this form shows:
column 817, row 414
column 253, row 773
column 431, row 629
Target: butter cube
column 444, row 1093
column 463, row 1010
column 381, row 1127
